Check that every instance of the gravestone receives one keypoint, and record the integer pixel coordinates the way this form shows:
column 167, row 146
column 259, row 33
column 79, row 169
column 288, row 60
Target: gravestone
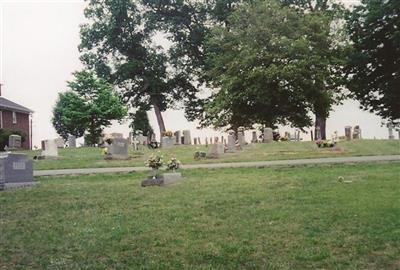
column 216, row 140
column 254, row 137
column 216, row 150
column 347, row 132
column 49, row 149
column 390, row 130
column 195, row 141
column 357, row 133
column 14, row 141
column 71, row 141
column 59, row 142
column 198, row 140
column 177, row 137
column 187, row 139
column 241, row 139
column 16, row 170
column 206, row 142
column 118, row 149
column 116, row 135
column 231, row 142
column 268, row 135
column 135, row 142
column 167, row 142
column 318, row 133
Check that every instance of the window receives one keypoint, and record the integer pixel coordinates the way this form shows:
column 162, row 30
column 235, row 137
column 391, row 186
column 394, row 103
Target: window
column 14, row 117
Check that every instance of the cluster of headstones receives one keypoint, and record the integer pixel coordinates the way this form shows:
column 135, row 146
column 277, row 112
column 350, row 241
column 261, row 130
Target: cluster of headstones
column 352, row 133
column 50, row 147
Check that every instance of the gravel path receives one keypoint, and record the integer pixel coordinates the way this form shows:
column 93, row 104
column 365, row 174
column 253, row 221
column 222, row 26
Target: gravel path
column 314, row 161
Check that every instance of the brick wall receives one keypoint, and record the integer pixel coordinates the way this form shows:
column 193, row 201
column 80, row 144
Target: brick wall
column 22, row 125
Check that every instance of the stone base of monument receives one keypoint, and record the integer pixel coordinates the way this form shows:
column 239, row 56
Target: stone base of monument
column 166, row 179
column 170, row 178
column 19, row 185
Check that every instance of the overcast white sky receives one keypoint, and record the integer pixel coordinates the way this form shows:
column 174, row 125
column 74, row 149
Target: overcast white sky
column 39, row 52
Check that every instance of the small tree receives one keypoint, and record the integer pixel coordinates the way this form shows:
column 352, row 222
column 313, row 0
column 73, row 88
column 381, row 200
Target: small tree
column 90, row 105
column 141, row 122
column 69, row 115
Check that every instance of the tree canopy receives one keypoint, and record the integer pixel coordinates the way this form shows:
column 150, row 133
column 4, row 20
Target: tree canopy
column 374, row 67
column 266, row 66
column 118, row 43
column 89, row 106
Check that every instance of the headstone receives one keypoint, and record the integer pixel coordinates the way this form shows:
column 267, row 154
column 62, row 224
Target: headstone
column 347, row 132
column 357, row 133
column 14, row 141
column 177, row 135
column 15, row 170
column 216, row 150
column 231, row 141
column 222, row 139
column 167, row 142
column 71, row 141
column 297, row 135
column 390, row 130
column 187, row 138
column 318, row 133
column 60, row 142
column 198, row 140
column 241, row 138
column 135, row 142
column 118, row 149
column 195, row 141
column 172, row 177
column 206, row 141
column 268, row 135
column 50, row 149
column 116, row 135
column 216, row 139
column 254, row 137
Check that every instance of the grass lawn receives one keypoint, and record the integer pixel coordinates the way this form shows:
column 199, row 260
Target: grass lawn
column 268, row 218
column 92, row 157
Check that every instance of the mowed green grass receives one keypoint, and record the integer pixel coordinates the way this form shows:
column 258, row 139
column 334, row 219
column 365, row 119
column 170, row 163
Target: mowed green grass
column 266, row 218
column 93, row 157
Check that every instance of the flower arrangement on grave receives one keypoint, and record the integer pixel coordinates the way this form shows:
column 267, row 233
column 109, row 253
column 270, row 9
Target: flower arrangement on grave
column 325, row 144
column 173, row 164
column 154, row 162
column 168, row 133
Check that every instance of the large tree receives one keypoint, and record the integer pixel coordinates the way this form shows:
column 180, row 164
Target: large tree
column 265, row 67
column 330, row 47
column 374, row 67
column 89, row 106
column 118, row 43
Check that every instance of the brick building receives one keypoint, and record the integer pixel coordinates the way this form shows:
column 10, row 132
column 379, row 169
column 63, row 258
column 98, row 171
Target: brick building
column 17, row 117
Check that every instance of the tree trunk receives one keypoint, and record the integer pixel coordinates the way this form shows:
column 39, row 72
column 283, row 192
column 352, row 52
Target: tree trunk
column 159, row 117
column 320, row 121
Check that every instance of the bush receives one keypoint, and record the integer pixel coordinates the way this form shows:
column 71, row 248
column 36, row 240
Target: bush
column 5, row 134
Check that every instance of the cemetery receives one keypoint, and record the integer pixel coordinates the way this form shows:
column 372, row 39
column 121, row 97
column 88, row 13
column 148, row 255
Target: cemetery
column 200, row 134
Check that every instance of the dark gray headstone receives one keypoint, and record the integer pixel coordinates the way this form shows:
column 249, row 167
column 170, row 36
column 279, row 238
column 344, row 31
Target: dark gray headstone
column 71, row 141
column 15, row 170
column 118, row 149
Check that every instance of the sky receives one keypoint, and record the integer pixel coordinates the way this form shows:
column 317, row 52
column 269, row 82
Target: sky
column 38, row 53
